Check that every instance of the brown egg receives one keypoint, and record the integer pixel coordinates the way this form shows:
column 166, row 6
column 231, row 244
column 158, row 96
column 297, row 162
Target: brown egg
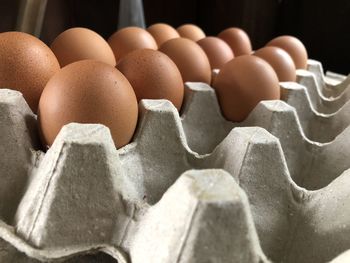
column 153, row 75
column 79, row 43
column 26, row 65
column 190, row 31
column 242, row 83
column 129, row 39
column 162, row 32
column 190, row 59
column 88, row 91
column 294, row 47
column 280, row 61
column 238, row 40
column 218, row 52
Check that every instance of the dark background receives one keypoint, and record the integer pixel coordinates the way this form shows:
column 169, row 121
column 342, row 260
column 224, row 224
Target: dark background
column 322, row 25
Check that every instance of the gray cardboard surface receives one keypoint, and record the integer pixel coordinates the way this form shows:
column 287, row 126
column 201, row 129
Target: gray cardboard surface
column 189, row 188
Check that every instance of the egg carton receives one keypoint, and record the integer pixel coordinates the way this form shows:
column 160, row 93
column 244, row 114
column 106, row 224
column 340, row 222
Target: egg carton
column 189, row 188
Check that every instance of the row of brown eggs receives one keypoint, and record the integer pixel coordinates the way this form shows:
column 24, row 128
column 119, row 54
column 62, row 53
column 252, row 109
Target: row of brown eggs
column 84, row 78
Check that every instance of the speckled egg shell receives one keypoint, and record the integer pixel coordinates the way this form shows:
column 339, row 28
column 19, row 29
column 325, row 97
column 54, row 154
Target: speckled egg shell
column 129, row 39
column 79, row 43
column 153, row 75
column 218, row 52
column 88, row 91
column 242, row 83
column 238, row 40
column 162, row 32
column 294, row 47
column 191, row 31
column 280, row 61
column 190, row 59
column 26, row 65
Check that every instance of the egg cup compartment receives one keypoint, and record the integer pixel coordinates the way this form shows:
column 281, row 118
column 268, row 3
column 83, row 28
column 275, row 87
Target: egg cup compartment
column 311, row 164
column 331, row 78
column 318, row 127
column 313, row 80
column 331, row 84
column 83, row 196
column 325, row 98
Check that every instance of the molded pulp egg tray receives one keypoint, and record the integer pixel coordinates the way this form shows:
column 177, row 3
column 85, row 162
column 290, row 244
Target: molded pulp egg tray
column 190, row 188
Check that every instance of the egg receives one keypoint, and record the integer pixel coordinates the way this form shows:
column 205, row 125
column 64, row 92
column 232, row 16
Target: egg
column 162, row 32
column 26, row 65
column 238, row 40
column 294, row 47
column 191, row 31
column 129, row 39
column 79, row 43
column 88, row 91
column 190, row 59
column 242, row 83
column 218, row 52
column 280, row 61
column 153, row 75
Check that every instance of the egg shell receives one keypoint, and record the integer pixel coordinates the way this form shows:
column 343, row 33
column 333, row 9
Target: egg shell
column 238, row 40
column 242, row 83
column 217, row 51
column 153, row 75
column 162, row 32
column 280, row 61
column 26, row 65
column 190, row 59
column 191, row 31
column 294, row 47
column 88, row 91
column 129, row 39
column 80, row 43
